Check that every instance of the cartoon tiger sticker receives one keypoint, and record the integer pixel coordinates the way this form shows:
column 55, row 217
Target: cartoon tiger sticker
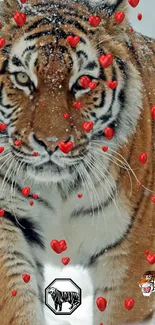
column 147, row 283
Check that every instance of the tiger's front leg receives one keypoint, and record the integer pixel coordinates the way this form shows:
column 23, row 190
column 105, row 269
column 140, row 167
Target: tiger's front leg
column 19, row 297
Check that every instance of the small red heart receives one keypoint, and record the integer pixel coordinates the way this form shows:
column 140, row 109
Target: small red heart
column 65, row 260
column 55, row 245
column 153, row 198
column 1, row 149
column 20, row 18
column 119, row 17
column 73, row 40
column 63, row 245
column 42, row 105
column 146, row 252
column 1, row 212
column 133, row 3
column 153, row 112
column 150, row 258
column 106, row 60
column 92, row 85
column 26, row 277
column 35, row 153
column 14, row 292
column 139, row 16
column 104, row 148
column 77, row 105
column 112, row 84
column 80, row 195
column 22, row 1
column 31, row 203
column 85, row 81
column 131, row 30
column 65, row 147
column 109, row 133
column 94, row 21
column 88, row 126
column 2, row 42
column 101, row 303
column 129, row 303
column 143, row 158
column 66, row 116
column 35, row 196
column 139, row 184
column 26, row 191
column 17, row 143
column 3, row 126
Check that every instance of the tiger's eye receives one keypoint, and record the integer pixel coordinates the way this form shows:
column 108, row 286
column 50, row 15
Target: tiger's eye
column 22, row 78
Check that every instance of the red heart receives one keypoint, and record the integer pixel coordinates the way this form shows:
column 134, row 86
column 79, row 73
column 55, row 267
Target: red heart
column 143, row 158
column 65, row 147
column 31, row 203
column 56, row 246
column 150, row 258
column 1, row 212
column 146, row 252
column 35, row 153
column 153, row 112
column 66, row 116
column 101, row 303
column 79, row 196
column 26, row 277
column 77, row 105
column 92, row 85
column 94, row 21
column 112, row 84
column 1, row 149
column 22, row 1
column 73, row 40
column 65, row 260
column 18, row 143
column 109, row 133
column 14, row 292
column 104, row 148
column 20, row 18
column 3, row 126
column 2, row 42
column 133, row 3
column 106, row 60
column 88, row 126
column 119, row 17
column 139, row 16
column 26, row 191
column 63, row 245
column 35, row 196
column 153, row 198
column 85, row 81
column 129, row 303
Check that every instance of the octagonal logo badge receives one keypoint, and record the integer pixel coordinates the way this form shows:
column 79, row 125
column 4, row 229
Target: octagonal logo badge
column 63, row 296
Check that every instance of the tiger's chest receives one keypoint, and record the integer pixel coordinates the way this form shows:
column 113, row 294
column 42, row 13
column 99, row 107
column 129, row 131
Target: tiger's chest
column 88, row 224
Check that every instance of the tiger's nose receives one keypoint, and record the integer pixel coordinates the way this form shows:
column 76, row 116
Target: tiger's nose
column 49, row 143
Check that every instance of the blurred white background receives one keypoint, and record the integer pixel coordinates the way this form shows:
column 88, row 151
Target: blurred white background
column 147, row 24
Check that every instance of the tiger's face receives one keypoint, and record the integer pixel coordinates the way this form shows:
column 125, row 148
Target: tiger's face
column 147, row 283
column 40, row 81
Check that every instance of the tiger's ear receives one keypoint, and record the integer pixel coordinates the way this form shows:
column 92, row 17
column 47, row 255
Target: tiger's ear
column 106, row 6
column 8, row 8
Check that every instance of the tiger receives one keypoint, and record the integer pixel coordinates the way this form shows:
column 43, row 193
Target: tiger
column 77, row 158
column 147, row 283
column 59, row 297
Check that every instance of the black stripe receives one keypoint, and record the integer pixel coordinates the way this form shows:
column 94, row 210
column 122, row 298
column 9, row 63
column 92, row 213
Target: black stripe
column 93, row 258
column 17, row 61
column 29, row 229
column 4, row 67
